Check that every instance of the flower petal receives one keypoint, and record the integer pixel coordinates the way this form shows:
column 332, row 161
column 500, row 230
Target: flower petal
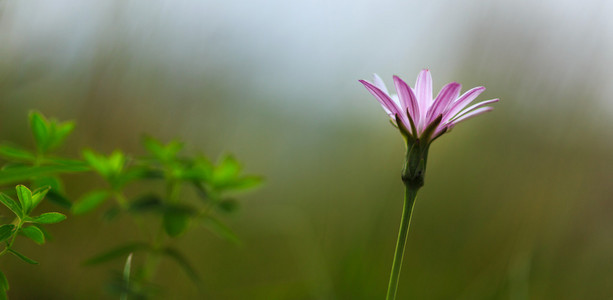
column 423, row 89
column 383, row 98
column 379, row 83
column 445, row 97
column 408, row 100
column 471, row 114
column 464, row 100
column 473, row 107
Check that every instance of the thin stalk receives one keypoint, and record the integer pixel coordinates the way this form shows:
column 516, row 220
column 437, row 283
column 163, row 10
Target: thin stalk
column 405, row 222
column 152, row 261
column 19, row 222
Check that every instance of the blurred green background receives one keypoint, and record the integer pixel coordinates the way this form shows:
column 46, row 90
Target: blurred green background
column 517, row 203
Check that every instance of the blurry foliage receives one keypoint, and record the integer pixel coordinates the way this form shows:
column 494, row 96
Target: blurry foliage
column 214, row 184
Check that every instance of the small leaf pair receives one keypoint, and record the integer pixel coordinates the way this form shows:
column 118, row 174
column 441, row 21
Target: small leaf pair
column 28, row 200
column 49, row 134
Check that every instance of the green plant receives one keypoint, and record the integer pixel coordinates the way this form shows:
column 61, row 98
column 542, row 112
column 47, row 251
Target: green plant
column 160, row 217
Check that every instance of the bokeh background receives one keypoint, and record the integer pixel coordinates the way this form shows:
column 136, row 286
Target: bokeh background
column 517, row 203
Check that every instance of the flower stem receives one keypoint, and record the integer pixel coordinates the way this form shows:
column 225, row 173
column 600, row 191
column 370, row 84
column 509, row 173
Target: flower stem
column 405, row 222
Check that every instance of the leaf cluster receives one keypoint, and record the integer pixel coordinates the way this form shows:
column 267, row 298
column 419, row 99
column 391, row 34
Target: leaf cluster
column 24, row 224
column 196, row 191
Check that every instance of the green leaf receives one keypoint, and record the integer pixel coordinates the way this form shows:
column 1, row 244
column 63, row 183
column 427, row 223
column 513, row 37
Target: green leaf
column 11, row 204
column 201, row 190
column 45, row 232
column 127, row 267
column 134, row 174
column 183, row 263
column 34, row 234
column 111, row 213
column 66, row 162
column 49, row 181
column 48, row 218
column 228, row 205
column 38, row 195
column 108, row 167
column 97, row 162
column 23, row 257
column 13, row 165
column 59, row 133
column 90, row 201
column 175, row 223
column 40, row 130
column 20, row 174
column 116, row 161
column 164, row 153
column 200, row 169
column 220, row 229
column 56, row 194
column 114, row 253
column 147, row 203
column 17, row 153
column 126, row 276
column 59, row 199
column 243, row 183
column 227, row 168
column 4, row 283
column 6, row 231
column 25, row 198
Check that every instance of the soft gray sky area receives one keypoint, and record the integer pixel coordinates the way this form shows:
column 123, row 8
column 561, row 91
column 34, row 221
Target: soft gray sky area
column 317, row 50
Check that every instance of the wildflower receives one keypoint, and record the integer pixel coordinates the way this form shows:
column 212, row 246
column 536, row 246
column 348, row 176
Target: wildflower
column 421, row 120
column 420, row 117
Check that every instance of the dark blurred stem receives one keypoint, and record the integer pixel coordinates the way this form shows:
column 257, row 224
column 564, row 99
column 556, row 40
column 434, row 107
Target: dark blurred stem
column 173, row 189
column 405, row 222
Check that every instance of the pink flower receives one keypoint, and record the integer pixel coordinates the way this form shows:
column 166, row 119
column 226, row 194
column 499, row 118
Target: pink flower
column 419, row 116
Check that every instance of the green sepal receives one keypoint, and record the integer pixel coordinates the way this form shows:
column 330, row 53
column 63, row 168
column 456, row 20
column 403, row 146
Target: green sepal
column 403, row 129
column 414, row 170
column 412, row 124
column 426, row 136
